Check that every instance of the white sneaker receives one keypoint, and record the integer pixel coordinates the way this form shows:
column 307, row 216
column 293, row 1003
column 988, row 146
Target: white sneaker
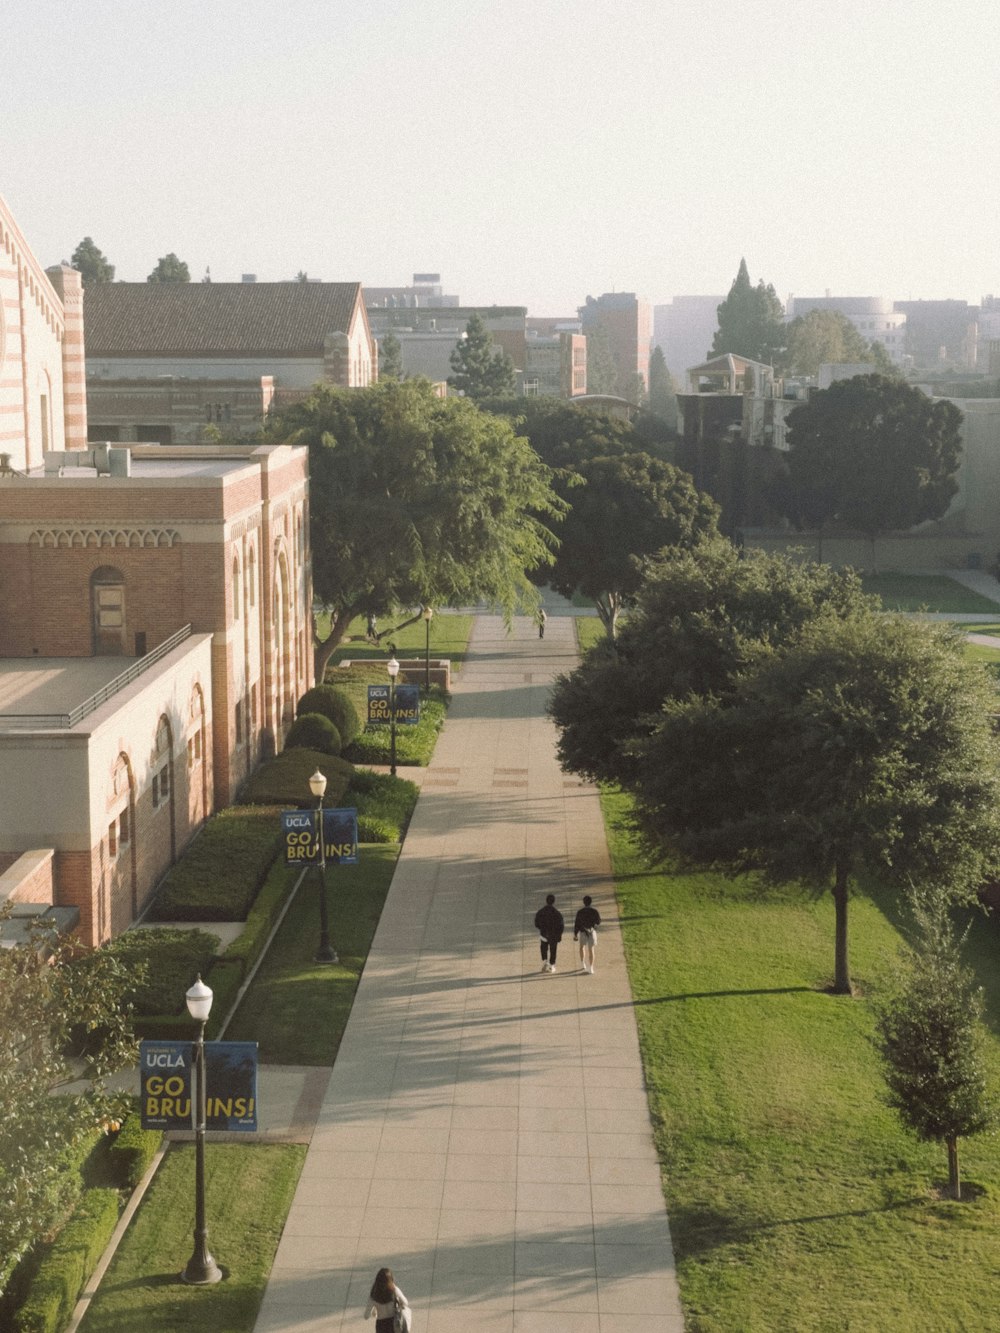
column 552, row 967
column 591, row 970
column 546, row 966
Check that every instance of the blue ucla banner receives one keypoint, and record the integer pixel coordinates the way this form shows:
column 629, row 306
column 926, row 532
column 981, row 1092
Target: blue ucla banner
column 167, row 1091
column 340, row 837
column 380, row 703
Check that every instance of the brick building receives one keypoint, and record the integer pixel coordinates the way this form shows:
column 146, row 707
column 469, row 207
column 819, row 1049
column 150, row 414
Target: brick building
column 627, row 322
column 155, row 628
column 181, row 363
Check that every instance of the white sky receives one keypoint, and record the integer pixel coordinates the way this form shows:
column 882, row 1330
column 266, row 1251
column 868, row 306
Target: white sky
column 531, row 151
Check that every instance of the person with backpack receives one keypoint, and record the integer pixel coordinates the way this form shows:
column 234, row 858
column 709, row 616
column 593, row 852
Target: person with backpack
column 588, row 918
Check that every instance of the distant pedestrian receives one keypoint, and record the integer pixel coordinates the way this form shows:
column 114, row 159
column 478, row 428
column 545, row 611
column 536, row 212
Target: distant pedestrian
column 386, row 1299
column 549, row 924
column 585, row 931
column 541, row 618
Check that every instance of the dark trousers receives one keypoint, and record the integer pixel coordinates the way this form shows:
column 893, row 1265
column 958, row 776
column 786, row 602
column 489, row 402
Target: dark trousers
column 549, row 948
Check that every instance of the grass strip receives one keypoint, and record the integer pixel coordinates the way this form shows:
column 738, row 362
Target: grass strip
column 796, row 1199
column 449, row 637
column 248, row 1191
column 296, row 1009
column 925, row 592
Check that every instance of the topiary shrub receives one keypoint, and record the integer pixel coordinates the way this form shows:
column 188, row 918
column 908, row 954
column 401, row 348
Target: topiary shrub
column 218, row 876
column 334, row 702
column 313, row 731
column 69, row 1263
column 284, row 780
column 132, row 1151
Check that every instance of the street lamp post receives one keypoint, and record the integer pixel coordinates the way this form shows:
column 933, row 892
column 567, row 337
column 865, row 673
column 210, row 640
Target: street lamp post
column 428, row 616
column 201, row 1267
column 326, row 952
column 392, row 666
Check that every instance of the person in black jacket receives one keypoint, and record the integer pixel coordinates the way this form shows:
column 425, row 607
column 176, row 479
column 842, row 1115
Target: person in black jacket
column 549, row 924
column 585, row 931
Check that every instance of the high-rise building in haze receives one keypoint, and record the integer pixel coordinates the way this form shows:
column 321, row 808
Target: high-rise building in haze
column 627, row 321
column 684, row 329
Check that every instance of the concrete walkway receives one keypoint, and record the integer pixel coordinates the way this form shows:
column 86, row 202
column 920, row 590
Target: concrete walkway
column 485, row 1131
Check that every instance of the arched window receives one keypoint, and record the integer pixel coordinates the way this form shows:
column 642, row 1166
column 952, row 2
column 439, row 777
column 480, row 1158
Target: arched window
column 251, row 577
column 107, row 603
column 236, row 588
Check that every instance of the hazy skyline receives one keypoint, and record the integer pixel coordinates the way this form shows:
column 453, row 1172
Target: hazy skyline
column 532, row 153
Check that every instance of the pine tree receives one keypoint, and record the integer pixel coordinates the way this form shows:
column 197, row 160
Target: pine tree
column 390, row 357
column 662, row 389
column 750, row 320
column 91, row 264
column 480, row 370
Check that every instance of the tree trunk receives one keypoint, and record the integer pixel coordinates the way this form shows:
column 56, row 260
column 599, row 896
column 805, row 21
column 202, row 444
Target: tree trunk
column 608, row 614
column 954, row 1182
column 323, row 649
column 841, row 968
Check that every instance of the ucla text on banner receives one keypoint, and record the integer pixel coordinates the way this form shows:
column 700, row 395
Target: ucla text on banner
column 407, row 705
column 340, row 836
column 167, row 1092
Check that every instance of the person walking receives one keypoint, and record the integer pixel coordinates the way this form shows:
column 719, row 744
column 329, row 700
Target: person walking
column 542, row 617
column 385, row 1300
column 549, row 924
column 588, row 918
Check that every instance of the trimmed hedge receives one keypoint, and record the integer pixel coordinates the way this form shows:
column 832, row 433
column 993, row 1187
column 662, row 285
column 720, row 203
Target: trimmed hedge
column 334, row 702
column 163, row 963
column 384, row 805
column 132, row 1151
column 72, row 1258
column 284, row 780
column 414, row 745
column 371, row 828
column 313, row 731
column 219, row 875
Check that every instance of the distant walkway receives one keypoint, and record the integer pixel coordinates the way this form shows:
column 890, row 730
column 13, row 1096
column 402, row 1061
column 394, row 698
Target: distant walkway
column 485, row 1131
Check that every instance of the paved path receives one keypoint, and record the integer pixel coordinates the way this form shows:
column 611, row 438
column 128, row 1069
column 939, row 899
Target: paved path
column 485, row 1131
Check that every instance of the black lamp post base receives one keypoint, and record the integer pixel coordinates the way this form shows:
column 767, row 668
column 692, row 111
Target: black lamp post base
column 202, row 1271
column 326, row 955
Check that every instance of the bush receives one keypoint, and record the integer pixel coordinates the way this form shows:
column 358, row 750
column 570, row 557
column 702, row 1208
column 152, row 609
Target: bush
column 284, row 780
column 68, row 1264
column 132, row 1150
column 371, row 828
column 334, row 702
column 219, row 875
column 414, row 745
column 313, row 731
column 164, row 963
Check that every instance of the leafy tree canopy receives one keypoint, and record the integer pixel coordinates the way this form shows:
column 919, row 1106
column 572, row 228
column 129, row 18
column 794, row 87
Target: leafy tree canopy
column 751, row 321
column 623, row 510
column 481, row 370
column 44, row 1006
column 822, row 336
column 662, row 390
column 390, row 357
column 932, row 1040
column 565, row 436
column 170, row 269
column 602, row 373
column 92, row 264
column 702, row 617
column 416, row 501
column 873, row 453
column 862, row 746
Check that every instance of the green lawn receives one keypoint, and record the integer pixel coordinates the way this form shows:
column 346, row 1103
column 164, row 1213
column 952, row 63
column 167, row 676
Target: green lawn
column 296, row 1008
column 925, row 592
column 449, row 638
column 796, row 1200
column 589, row 630
column 248, row 1191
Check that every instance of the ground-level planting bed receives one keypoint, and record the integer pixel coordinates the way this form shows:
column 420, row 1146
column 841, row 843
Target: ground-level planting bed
column 796, row 1200
column 296, row 1009
column 248, row 1191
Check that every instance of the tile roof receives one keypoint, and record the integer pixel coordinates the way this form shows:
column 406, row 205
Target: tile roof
column 216, row 318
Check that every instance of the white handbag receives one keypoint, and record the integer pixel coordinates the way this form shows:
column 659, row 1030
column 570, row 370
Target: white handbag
column 401, row 1320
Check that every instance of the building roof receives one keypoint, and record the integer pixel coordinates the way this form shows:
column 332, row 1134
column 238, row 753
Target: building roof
column 216, row 318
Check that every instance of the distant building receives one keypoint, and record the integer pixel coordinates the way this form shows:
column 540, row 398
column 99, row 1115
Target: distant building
column 555, row 365
column 428, row 336
column 628, row 324
column 426, row 293
column 167, row 361
column 940, row 332
column 684, row 329
column 875, row 318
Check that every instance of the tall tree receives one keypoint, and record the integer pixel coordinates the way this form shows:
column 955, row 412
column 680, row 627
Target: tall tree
column 866, row 747
column 876, row 454
column 602, row 373
column 751, row 320
column 92, row 264
column 390, row 357
column 819, row 337
column 932, row 1041
column 481, row 370
column 42, row 1005
column 703, row 616
column 170, row 269
column 416, row 501
column 565, row 436
column 662, row 389
column 624, row 510
column 634, row 389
